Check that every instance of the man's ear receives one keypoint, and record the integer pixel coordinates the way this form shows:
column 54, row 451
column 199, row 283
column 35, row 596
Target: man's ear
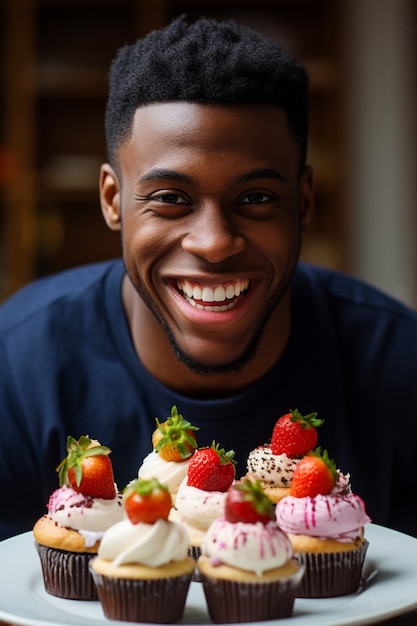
column 306, row 196
column 110, row 197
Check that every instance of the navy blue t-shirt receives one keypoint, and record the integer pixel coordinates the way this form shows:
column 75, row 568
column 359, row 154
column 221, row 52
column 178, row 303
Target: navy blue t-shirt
column 68, row 367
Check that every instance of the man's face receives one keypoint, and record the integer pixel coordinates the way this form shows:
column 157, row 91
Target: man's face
column 211, row 206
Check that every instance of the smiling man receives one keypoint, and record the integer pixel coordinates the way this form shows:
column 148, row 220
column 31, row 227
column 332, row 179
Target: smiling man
column 209, row 308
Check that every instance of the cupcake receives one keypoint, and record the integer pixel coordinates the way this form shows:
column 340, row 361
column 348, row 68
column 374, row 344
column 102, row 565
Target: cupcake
column 273, row 463
column 174, row 442
column 325, row 522
column 201, row 495
column 85, row 505
column 246, row 565
column 143, row 570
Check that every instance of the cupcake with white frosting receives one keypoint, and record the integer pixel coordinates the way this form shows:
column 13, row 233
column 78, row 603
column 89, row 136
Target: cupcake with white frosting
column 173, row 444
column 201, row 495
column 274, row 471
column 143, row 570
column 273, row 463
column 196, row 509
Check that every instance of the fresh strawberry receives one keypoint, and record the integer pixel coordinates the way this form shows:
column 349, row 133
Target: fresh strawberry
column 246, row 502
column 295, row 434
column 87, row 468
column 212, row 469
column 174, row 439
column 146, row 501
column 315, row 474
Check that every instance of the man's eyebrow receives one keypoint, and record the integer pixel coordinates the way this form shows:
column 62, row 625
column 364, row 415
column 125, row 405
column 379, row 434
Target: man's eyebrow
column 164, row 174
column 263, row 173
column 167, row 174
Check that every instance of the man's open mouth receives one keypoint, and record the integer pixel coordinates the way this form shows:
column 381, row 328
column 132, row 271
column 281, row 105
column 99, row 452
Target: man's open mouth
column 215, row 298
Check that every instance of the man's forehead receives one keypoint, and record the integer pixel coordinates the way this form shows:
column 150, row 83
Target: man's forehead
column 175, row 136
column 187, row 117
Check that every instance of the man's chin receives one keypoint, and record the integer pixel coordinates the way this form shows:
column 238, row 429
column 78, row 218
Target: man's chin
column 211, row 367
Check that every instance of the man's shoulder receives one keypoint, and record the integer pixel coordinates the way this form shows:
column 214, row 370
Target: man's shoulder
column 342, row 292
column 66, row 287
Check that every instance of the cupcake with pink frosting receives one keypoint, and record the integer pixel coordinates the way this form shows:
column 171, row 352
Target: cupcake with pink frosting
column 78, row 513
column 325, row 522
column 247, row 566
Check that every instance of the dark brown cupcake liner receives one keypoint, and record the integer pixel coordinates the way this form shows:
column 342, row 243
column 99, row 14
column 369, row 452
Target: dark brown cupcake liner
column 66, row 574
column 331, row 574
column 160, row 600
column 229, row 601
column 195, row 552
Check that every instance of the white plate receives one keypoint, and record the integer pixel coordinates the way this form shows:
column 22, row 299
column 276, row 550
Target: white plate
column 23, row 600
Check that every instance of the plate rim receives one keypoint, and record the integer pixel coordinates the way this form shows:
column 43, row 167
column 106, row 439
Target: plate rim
column 378, row 536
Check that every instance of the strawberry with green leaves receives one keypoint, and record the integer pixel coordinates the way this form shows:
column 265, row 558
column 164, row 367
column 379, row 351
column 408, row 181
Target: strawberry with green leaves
column 174, row 439
column 315, row 474
column 295, row 434
column 246, row 502
column 87, row 468
column 146, row 501
column 212, row 468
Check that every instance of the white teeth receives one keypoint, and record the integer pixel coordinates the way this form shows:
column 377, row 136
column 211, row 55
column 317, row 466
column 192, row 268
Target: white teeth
column 207, row 294
column 220, row 293
column 215, row 309
column 230, row 291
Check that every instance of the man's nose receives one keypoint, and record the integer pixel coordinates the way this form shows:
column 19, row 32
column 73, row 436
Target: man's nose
column 213, row 235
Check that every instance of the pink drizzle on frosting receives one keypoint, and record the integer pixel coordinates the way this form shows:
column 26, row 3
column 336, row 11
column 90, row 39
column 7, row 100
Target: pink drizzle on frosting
column 339, row 517
column 254, row 547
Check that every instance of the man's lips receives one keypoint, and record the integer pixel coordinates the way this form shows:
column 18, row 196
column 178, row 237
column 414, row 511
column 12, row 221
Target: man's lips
column 215, row 298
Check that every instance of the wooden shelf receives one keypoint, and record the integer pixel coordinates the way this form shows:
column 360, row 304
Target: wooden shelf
column 61, row 81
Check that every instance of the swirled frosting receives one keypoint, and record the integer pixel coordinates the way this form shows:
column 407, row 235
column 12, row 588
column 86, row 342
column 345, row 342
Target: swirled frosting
column 340, row 517
column 198, row 508
column 147, row 544
column 169, row 473
column 274, row 470
column 252, row 547
column 90, row 516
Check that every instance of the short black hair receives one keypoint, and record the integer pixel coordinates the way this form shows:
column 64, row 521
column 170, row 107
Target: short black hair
column 206, row 62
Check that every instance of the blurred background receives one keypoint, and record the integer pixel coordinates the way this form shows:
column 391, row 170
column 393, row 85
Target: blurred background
column 361, row 57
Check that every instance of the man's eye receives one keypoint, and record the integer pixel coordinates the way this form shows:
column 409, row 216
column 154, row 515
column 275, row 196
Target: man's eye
column 255, row 198
column 168, row 198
